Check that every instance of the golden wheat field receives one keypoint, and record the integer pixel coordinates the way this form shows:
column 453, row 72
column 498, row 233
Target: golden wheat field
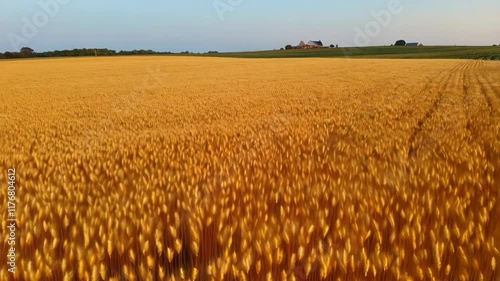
column 190, row 168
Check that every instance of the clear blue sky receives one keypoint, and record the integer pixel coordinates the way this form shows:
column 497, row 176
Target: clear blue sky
column 196, row 25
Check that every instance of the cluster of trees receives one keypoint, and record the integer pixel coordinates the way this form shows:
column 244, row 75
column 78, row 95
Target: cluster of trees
column 400, row 43
column 141, row 52
column 78, row 53
column 290, row 47
column 27, row 52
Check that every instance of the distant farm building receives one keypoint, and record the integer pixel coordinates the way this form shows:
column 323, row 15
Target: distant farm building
column 314, row 44
column 310, row 45
column 412, row 44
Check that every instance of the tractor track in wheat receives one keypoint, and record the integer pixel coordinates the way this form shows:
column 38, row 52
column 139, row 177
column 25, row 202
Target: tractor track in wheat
column 490, row 89
column 485, row 88
column 443, row 83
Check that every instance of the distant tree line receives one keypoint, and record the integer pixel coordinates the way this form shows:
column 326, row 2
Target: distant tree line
column 141, row 52
column 78, row 53
column 290, row 47
column 27, row 52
